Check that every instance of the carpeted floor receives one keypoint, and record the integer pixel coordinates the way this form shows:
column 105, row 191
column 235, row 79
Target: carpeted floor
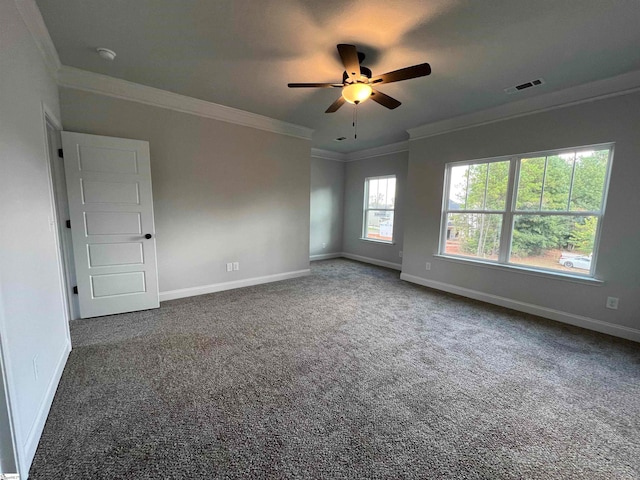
column 347, row 373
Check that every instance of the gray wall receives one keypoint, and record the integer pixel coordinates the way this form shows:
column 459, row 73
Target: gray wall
column 610, row 120
column 327, row 206
column 32, row 311
column 355, row 173
column 222, row 192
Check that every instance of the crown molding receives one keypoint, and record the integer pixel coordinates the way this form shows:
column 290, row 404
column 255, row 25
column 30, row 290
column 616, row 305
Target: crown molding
column 32, row 18
column 329, row 155
column 361, row 154
column 379, row 151
column 115, row 87
column 588, row 92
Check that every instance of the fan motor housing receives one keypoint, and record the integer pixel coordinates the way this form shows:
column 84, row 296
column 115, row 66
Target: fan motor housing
column 364, row 71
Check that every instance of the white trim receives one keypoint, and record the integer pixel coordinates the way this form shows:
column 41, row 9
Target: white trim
column 557, row 315
column 361, row 154
column 219, row 287
column 31, row 443
column 329, row 155
column 373, row 261
column 48, row 117
column 547, row 274
column 114, row 87
column 324, row 256
column 32, row 17
column 378, row 151
column 588, row 92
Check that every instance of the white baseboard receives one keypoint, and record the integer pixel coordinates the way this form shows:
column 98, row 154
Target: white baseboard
column 219, row 287
column 564, row 317
column 374, row 261
column 325, row 256
column 31, row 444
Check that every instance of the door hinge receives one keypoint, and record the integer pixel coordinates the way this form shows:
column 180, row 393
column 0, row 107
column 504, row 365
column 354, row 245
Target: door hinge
column 68, row 223
column 60, row 153
column 75, row 289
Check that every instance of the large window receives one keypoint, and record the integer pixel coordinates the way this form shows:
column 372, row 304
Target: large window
column 540, row 211
column 379, row 205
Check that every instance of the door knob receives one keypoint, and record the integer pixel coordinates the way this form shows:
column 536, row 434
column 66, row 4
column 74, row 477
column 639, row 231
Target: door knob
column 148, row 236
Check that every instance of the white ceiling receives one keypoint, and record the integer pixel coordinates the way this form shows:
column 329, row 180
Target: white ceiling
column 242, row 53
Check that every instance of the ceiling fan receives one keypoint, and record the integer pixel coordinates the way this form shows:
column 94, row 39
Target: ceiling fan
column 357, row 82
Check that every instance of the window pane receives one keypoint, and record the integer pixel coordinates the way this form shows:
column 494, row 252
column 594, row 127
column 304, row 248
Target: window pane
column 588, row 180
column 497, row 181
column 530, row 183
column 458, row 188
column 391, row 192
column 374, row 186
column 557, row 182
column 476, row 186
column 382, row 192
column 474, row 235
column 550, row 241
column 379, row 225
column 479, row 187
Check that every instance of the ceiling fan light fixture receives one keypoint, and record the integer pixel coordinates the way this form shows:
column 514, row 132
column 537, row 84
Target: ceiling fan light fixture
column 356, row 92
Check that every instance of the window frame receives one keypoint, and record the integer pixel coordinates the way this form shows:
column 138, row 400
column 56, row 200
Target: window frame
column 366, row 210
column 510, row 210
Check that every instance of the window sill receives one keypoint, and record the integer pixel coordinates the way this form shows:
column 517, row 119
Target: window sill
column 383, row 242
column 527, row 271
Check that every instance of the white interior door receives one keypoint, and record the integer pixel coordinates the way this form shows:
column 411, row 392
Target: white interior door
column 112, row 229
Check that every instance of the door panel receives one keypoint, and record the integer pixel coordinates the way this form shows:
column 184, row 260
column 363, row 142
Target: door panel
column 108, row 254
column 103, row 159
column 112, row 223
column 117, row 284
column 110, row 192
column 111, row 211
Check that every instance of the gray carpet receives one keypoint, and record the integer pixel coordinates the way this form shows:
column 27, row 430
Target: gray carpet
column 348, row 373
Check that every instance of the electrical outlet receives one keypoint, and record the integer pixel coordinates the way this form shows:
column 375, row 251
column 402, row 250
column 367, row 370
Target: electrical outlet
column 236, row 266
column 400, row 253
column 35, row 367
column 229, row 267
column 612, row 303
column 324, row 245
column 428, row 265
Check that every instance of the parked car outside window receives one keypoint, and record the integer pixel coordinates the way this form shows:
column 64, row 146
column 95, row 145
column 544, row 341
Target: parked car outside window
column 581, row 262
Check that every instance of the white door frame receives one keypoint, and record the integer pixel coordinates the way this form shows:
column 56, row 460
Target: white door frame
column 59, row 198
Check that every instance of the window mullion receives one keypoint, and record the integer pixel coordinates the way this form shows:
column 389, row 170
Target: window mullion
column 444, row 220
column 544, row 181
column 573, row 174
column 507, row 217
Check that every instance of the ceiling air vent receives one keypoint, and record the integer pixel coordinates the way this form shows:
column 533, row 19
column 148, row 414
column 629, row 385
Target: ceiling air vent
column 523, row 86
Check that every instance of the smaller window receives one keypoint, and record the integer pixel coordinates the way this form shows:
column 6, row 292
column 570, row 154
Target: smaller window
column 379, row 206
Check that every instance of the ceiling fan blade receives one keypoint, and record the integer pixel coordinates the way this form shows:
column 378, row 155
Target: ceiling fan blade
column 384, row 100
column 315, row 85
column 349, row 56
column 336, row 105
column 407, row 73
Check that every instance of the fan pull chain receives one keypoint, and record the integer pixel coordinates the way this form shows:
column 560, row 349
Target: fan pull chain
column 355, row 122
